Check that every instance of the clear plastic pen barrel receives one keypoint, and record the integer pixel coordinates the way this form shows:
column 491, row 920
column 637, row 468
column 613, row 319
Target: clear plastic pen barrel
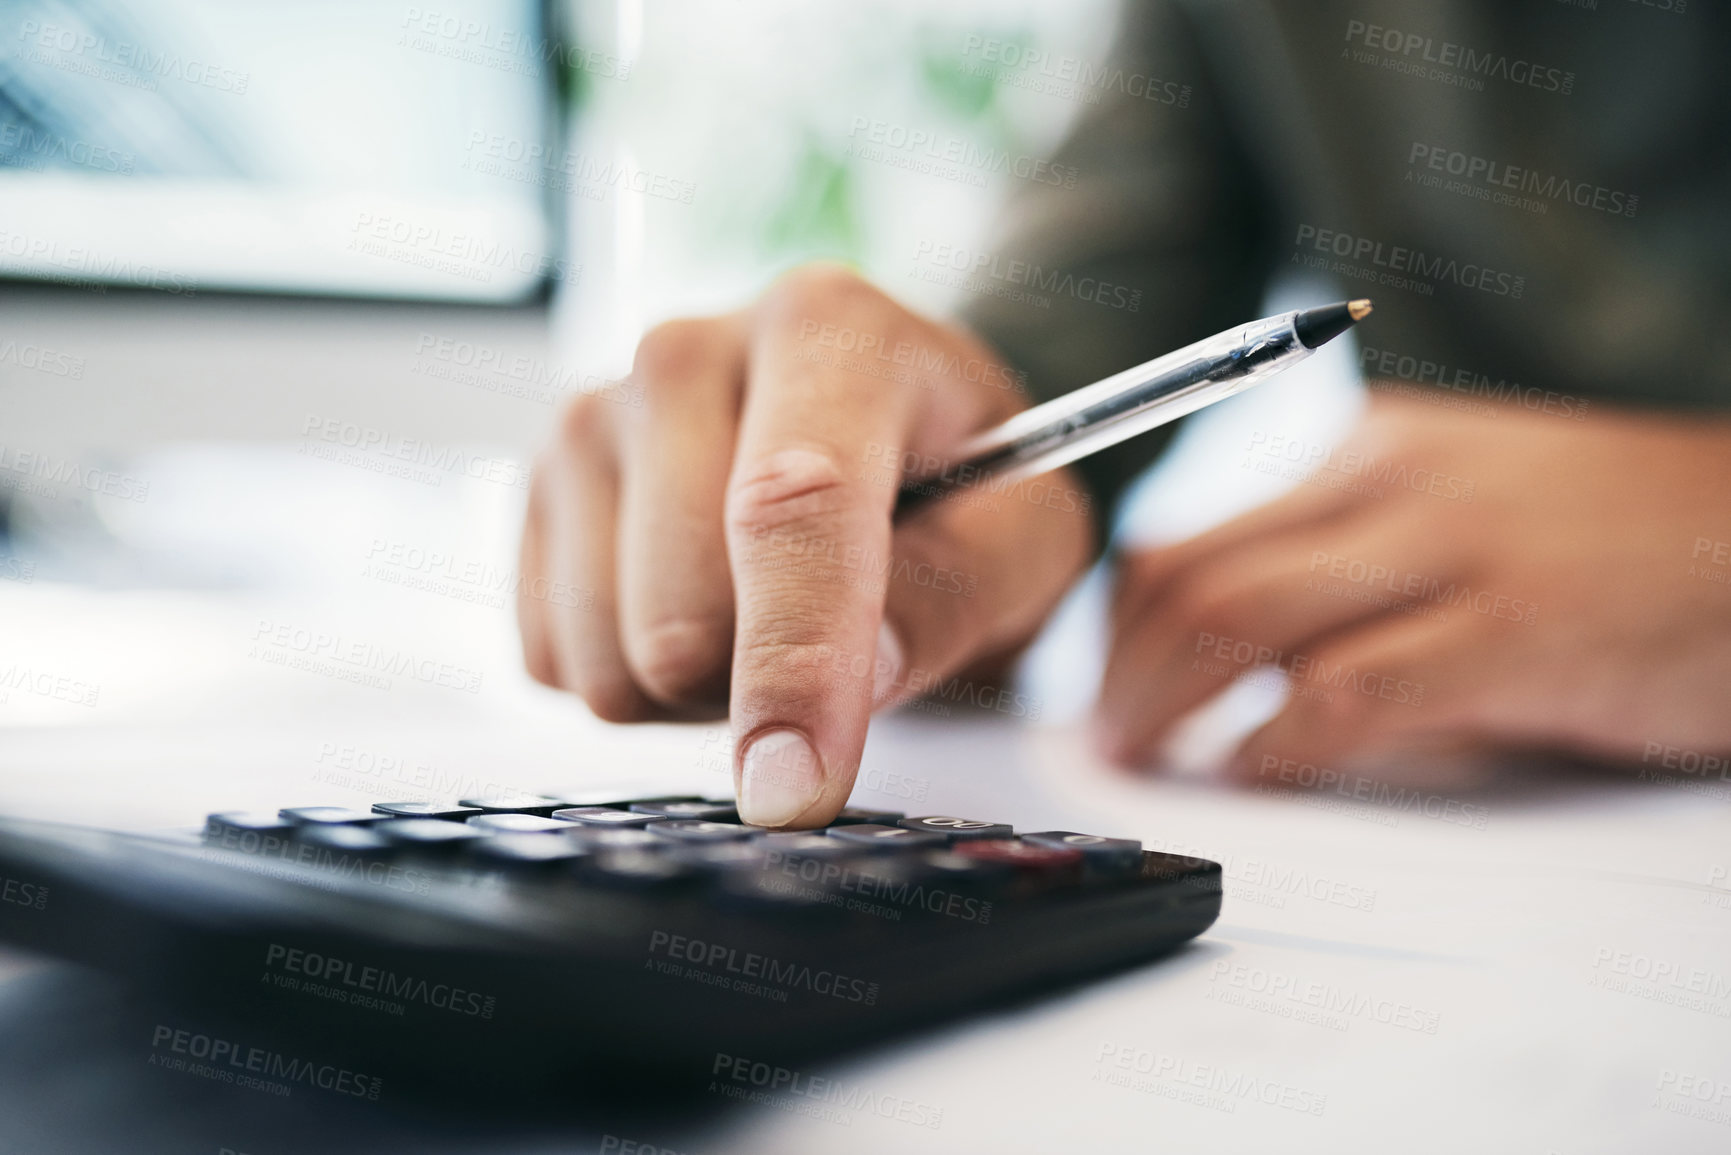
column 1136, row 400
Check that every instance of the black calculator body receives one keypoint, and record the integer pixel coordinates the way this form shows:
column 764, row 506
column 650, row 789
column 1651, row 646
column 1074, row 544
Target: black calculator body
column 508, row 947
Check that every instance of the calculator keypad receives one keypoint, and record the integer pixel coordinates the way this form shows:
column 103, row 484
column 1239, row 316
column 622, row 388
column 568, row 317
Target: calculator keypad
column 682, row 842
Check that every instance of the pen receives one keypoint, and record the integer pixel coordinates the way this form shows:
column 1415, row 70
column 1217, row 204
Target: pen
column 1136, row 400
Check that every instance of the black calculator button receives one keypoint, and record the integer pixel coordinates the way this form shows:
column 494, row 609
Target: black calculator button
column 603, row 838
column 247, row 832
column 259, row 820
column 449, row 811
column 945, row 868
column 603, row 816
column 427, row 833
column 1113, row 855
column 700, row 810
column 859, row 815
column 300, row 815
column 957, row 828
column 355, row 841
column 616, row 800
column 718, row 857
column 512, row 823
column 804, row 844
column 515, row 802
column 528, row 850
column 885, row 837
column 696, row 830
column 1025, row 858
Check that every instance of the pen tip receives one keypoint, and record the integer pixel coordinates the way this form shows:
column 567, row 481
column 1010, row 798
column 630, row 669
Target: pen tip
column 1326, row 322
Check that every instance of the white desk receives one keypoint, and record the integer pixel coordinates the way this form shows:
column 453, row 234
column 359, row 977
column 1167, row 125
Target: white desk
column 1465, row 989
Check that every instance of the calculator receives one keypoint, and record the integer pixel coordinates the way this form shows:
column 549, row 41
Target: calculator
column 510, row 945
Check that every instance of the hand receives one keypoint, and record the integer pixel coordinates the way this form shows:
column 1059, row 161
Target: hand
column 727, row 544
column 1446, row 582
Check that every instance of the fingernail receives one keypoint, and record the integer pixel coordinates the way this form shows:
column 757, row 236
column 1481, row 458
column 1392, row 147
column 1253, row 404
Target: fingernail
column 779, row 777
column 888, row 665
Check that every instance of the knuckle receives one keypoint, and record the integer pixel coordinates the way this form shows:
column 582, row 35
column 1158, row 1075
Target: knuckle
column 1338, row 714
column 786, row 661
column 672, row 352
column 1204, row 604
column 583, row 425
column 819, row 289
column 789, row 489
column 1341, row 691
column 681, row 660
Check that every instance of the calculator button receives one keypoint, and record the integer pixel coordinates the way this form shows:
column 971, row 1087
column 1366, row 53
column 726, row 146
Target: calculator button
column 602, row 838
column 427, row 833
column 803, row 844
column 449, row 811
column 515, row 802
column 717, row 857
column 700, row 810
column 694, row 830
column 336, row 814
column 859, row 815
column 1111, row 855
column 261, row 821
column 949, row 869
column 518, row 824
column 1023, row 857
column 614, row 799
column 957, row 828
column 249, row 833
column 623, row 800
column 528, row 850
column 356, row 841
column 605, row 816
column 885, row 837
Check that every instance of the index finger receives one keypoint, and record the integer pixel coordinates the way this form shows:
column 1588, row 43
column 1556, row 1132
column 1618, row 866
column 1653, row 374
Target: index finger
column 804, row 521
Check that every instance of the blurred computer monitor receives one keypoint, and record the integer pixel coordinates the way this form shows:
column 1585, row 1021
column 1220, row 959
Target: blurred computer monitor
column 349, row 147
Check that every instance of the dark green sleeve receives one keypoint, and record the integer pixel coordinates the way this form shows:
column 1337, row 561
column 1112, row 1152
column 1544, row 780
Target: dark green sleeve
column 1160, row 242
